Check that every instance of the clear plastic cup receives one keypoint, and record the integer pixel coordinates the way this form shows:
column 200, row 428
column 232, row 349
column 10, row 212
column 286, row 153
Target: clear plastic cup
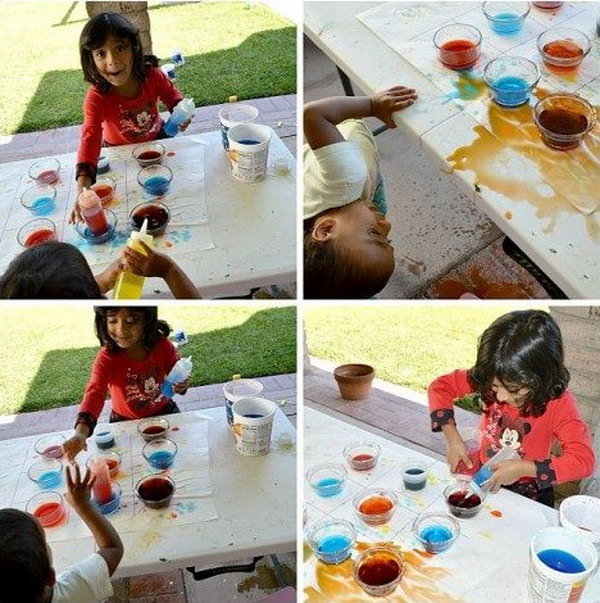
column 105, row 189
column 362, row 456
column 511, row 80
column 435, row 531
column 112, row 459
column 506, row 18
column 414, row 474
column 93, row 239
column 331, row 540
column 563, row 48
column 458, row 45
column 327, row 479
column 45, row 171
column 160, row 454
column 36, row 231
column 112, row 506
column 153, row 428
column 375, row 506
column 39, row 200
column 155, row 180
column 379, row 570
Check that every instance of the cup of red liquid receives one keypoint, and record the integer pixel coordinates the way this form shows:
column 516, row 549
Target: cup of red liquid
column 562, row 48
column 154, row 428
column 50, row 446
column 547, row 4
column 148, row 153
column 362, row 456
column 378, row 570
column 563, row 120
column 157, row 214
column 105, row 189
column 464, row 498
column 458, row 45
column 155, row 491
column 47, row 507
column 36, row 231
column 45, row 171
column 375, row 506
column 111, row 458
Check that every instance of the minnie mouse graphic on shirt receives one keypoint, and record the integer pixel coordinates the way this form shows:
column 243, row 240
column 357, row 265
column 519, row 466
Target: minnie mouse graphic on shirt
column 139, row 124
column 143, row 389
column 503, row 430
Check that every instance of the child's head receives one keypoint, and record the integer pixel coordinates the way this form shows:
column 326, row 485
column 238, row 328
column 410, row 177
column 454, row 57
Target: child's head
column 51, row 270
column 520, row 361
column 25, row 558
column 111, row 51
column 120, row 328
column 347, row 254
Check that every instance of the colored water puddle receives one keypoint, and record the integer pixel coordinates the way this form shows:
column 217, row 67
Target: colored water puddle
column 161, row 459
column 561, row 561
column 468, row 87
column 328, row 486
column 506, row 23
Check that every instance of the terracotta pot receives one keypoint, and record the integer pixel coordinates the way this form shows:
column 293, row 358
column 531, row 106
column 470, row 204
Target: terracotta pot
column 354, row 380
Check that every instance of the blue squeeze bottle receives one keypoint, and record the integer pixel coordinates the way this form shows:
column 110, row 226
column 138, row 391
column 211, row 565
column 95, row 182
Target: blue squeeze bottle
column 182, row 112
column 180, row 372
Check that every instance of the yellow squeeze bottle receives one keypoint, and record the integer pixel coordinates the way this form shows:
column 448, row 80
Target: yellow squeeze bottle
column 129, row 285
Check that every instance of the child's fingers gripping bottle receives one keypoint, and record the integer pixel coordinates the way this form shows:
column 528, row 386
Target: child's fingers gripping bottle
column 182, row 112
column 484, row 474
column 92, row 212
column 180, row 372
column 129, row 285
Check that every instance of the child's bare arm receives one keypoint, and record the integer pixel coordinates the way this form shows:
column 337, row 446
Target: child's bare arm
column 322, row 116
column 110, row 546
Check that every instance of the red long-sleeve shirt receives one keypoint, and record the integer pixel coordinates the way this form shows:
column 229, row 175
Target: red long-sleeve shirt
column 133, row 385
column 119, row 120
column 532, row 437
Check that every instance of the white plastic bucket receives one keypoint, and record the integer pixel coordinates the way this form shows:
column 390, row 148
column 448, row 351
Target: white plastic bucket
column 238, row 389
column 253, row 433
column 547, row 585
column 249, row 151
column 233, row 114
column 582, row 514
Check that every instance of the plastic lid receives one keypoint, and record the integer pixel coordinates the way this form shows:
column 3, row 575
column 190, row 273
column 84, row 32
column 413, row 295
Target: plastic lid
column 104, row 437
column 88, row 198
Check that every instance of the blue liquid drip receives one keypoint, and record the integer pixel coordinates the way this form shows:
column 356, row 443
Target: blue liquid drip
column 156, row 186
column 161, row 459
column 248, row 141
column 511, row 91
column 334, row 548
column 561, row 561
column 42, row 206
column 328, row 486
column 49, row 479
column 506, row 23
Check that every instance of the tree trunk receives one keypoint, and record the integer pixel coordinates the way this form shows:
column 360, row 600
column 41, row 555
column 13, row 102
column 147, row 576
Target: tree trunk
column 136, row 12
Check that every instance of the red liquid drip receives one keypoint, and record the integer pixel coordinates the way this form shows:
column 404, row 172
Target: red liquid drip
column 155, row 489
column 49, row 514
column 375, row 505
column 460, row 500
column 157, row 216
column 153, row 430
column 39, row 236
column 459, row 54
column 48, row 177
column 149, row 155
column 378, row 570
column 53, row 452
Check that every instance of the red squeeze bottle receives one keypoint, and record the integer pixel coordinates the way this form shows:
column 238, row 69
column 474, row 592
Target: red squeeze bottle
column 92, row 212
column 102, row 489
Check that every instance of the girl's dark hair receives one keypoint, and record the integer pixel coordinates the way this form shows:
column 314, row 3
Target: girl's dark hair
column 522, row 348
column 51, row 270
column 94, row 36
column 154, row 329
column 24, row 562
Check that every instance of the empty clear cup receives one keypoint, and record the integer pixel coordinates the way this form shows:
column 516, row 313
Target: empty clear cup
column 506, row 18
column 458, row 45
column 511, row 80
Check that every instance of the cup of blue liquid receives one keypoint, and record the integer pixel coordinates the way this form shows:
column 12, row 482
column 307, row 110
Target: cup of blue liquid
column 249, row 151
column 506, row 18
column 560, row 562
column 47, row 474
column 511, row 80
column 155, row 180
column 327, row 479
column 93, row 239
column 39, row 200
column 331, row 540
column 435, row 531
column 414, row 474
column 160, row 454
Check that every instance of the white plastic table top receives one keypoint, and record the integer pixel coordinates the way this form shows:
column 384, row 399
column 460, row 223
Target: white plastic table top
column 488, row 562
column 562, row 241
column 255, row 500
column 253, row 225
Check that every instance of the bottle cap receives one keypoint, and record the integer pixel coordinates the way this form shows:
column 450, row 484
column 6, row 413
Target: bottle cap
column 88, row 198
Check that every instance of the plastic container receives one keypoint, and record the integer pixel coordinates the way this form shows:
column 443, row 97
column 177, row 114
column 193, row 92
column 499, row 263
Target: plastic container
column 155, row 491
column 253, row 425
column 112, row 459
column 458, row 45
column 563, row 48
column 471, row 436
column 379, row 570
column 155, row 180
column 103, row 164
column 153, row 428
column 511, row 80
column 436, row 532
column 563, row 120
column 233, row 114
column 47, row 474
column 129, row 285
column 249, row 151
column 50, row 446
column 36, row 231
column 160, row 454
column 47, row 507
column 239, row 389
column 39, row 200
column 148, row 153
column 375, row 506
column 105, row 189
column 464, row 499
column 157, row 214
column 362, row 456
column 582, row 514
column 177, row 57
column 104, row 439
column 327, row 479
column 181, row 370
column 101, row 490
column 331, row 540
column 182, row 112
column 45, row 171
column 92, row 212
column 485, row 472
column 84, row 231
column 414, row 474
column 169, row 70
column 506, row 18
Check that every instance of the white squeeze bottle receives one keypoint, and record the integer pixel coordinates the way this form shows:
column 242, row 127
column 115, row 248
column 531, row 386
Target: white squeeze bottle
column 180, row 372
column 182, row 112
column 129, row 285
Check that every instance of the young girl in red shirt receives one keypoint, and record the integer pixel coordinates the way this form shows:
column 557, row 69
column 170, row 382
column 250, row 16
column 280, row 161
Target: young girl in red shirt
column 135, row 358
column 121, row 105
column 521, row 383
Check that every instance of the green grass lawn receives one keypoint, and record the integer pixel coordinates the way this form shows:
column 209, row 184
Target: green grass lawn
column 408, row 346
column 46, row 353
column 229, row 50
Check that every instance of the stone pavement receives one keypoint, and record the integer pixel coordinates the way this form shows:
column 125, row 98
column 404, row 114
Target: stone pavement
column 279, row 112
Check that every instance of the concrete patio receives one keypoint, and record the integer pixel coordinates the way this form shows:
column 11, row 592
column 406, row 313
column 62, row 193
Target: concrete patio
column 271, row 575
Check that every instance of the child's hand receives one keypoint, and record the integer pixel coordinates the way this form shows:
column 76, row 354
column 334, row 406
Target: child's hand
column 107, row 278
column 181, row 387
column 78, row 490
column 73, row 446
column 457, row 452
column 183, row 126
column 386, row 102
column 152, row 264
column 506, row 473
column 75, row 215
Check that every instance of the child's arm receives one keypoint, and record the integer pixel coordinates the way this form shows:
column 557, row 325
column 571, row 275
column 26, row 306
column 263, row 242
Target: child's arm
column 110, row 546
column 161, row 265
column 322, row 116
column 107, row 278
